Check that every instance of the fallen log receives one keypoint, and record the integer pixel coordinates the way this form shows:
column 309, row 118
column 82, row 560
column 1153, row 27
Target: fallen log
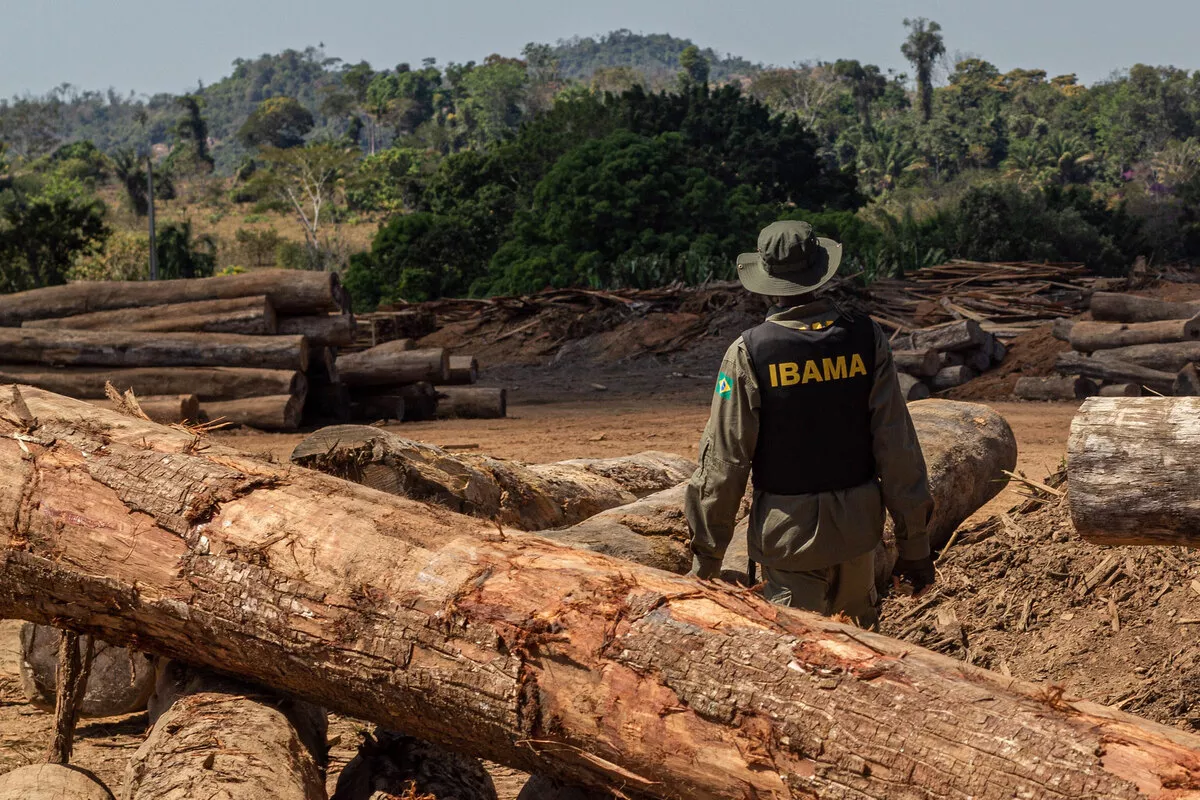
column 528, row 497
column 119, row 682
column 1062, row 388
column 564, row 662
column 213, row 736
column 1091, row 336
column 288, row 292
column 1115, row 307
column 921, row 363
column 277, row 412
column 252, row 316
column 389, row 364
column 980, row 359
column 52, row 782
column 168, row 409
column 464, row 370
column 1120, row 390
column 1187, row 382
column 1163, row 357
column 1133, row 465
column 326, row 330
column 912, row 388
column 420, row 400
column 136, row 349
column 207, row 383
column 961, row 335
column 392, row 765
column 949, row 377
column 1114, row 370
column 472, row 402
column 539, row 788
column 1061, row 329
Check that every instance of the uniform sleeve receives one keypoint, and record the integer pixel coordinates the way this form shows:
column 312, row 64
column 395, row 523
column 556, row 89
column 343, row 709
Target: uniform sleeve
column 898, row 458
column 727, row 447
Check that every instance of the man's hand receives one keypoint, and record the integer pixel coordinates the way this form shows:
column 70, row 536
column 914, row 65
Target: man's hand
column 918, row 572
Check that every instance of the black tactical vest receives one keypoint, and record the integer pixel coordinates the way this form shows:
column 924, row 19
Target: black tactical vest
column 815, row 420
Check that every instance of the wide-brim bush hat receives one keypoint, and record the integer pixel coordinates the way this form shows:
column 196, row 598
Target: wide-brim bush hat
column 790, row 260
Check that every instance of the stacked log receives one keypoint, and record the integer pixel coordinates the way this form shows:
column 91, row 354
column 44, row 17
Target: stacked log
column 504, row 646
column 1136, row 344
column 944, row 356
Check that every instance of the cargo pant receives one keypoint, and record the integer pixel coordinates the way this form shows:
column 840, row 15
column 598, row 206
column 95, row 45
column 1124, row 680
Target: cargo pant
column 847, row 588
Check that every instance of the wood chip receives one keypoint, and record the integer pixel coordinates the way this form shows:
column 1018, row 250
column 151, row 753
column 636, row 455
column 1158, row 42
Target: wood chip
column 1026, row 610
column 1098, row 575
column 1114, row 615
column 1196, row 586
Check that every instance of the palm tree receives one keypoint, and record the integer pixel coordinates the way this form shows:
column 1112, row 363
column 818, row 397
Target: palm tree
column 923, row 48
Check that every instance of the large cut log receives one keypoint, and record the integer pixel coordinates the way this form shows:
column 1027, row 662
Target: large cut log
column 528, row 497
column 1187, row 382
column 390, row 365
column 277, row 412
column 52, row 782
column 252, row 316
column 962, row 335
column 472, row 402
column 218, row 737
column 921, row 363
column 392, row 765
column 553, row 660
column 136, row 349
column 288, row 291
column 950, row 377
column 1113, row 307
column 1113, row 370
column 328, row 330
column 1061, row 329
column 464, row 370
column 1120, row 390
column 420, row 401
column 912, row 388
column 1060, row 388
column 1090, row 336
column 120, row 680
column 1163, row 357
column 166, row 409
column 1133, row 465
column 207, row 383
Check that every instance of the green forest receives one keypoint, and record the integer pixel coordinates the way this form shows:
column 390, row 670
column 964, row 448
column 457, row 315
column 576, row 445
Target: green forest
column 624, row 160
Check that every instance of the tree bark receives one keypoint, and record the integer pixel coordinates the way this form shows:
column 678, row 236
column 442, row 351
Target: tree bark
column 71, row 678
column 961, row 335
column 1120, row 390
column 1061, row 329
column 1065, row 388
column 472, row 402
column 528, row 497
column 119, row 682
column 921, row 363
column 288, row 291
column 464, row 370
column 391, row 765
column 277, row 412
column 1187, row 382
column 1090, row 336
column 252, row 316
column 1113, row 370
column 582, row 668
column 166, row 410
column 913, row 388
column 1133, row 465
column 949, row 377
column 327, row 330
column 52, row 782
column 219, row 737
column 136, row 349
column 207, row 383
column 389, row 365
column 1163, row 357
column 1114, row 307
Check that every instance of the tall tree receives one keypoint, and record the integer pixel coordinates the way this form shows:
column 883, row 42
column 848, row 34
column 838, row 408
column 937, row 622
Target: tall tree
column 694, row 68
column 308, row 179
column 923, row 48
column 867, row 85
column 279, row 122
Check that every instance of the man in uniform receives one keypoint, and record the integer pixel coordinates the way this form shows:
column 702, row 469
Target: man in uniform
column 809, row 403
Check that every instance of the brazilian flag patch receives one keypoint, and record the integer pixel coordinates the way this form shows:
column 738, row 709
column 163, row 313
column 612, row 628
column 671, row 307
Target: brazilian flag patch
column 724, row 386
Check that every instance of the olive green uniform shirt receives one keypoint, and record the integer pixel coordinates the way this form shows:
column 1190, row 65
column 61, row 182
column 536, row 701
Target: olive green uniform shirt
column 795, row 533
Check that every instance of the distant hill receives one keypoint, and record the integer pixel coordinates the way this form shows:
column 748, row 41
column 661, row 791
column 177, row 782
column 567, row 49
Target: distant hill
column 655, row 55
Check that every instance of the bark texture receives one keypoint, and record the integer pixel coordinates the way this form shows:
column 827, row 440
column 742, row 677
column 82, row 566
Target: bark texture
column 1115, row 307
column 74, row 665
column 389, row 364
column 277, row 412
column 218, row 737
column 120, row 680
column 962, row 335
column 1070, row 387
column 913, row 388
column 1187, row 382
column 52, row 782
column 557, row 661
column 1114, row 370
column 922, row 363
column 207, row 383
column 1090, row 336
column 135, row 349
column 1120, row 390
column 166, row 410
column 472, row 402
column 390, row 765
column 252, row 316
column 288, row 291
column 528, row 497
column 328, row 330
column 949, row 377
column 1061, row 329
column 1133, row 465
column 1163, row 357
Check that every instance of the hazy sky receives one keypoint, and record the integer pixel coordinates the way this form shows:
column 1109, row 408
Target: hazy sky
column 169, row 45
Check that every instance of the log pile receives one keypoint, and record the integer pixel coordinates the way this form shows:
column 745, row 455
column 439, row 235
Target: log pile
column 943, row 356
column 1134, row 345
